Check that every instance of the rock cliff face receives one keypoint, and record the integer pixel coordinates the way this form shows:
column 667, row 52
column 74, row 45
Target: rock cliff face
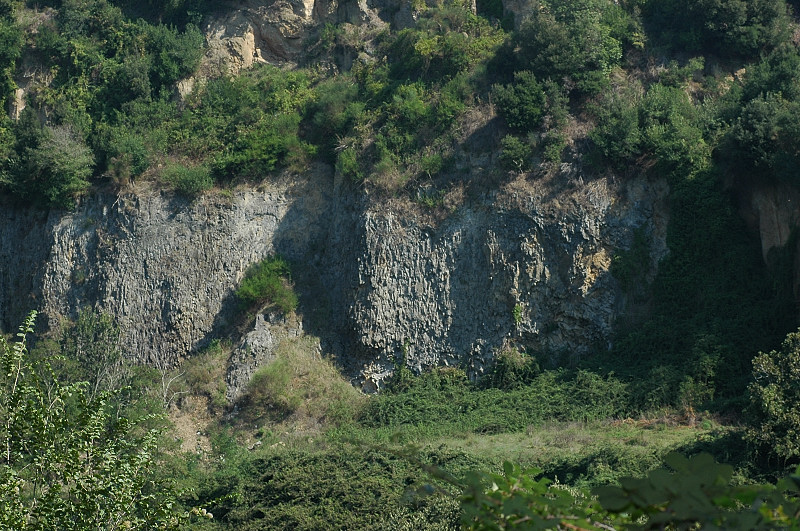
column 278, row 33
column 526, row 267
column 528, row 264
column 773, row 211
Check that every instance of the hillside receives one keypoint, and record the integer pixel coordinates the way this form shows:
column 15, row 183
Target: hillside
column 450, row 202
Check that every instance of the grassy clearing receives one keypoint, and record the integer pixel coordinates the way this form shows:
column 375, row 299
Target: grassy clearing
column 585, row 454
column 305, row 450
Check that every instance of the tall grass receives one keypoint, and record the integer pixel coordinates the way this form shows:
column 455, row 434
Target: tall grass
column 303, row 386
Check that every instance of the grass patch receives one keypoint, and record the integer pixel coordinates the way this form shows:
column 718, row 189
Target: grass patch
column 188, row 181
column 302, row 386
column 204, row 374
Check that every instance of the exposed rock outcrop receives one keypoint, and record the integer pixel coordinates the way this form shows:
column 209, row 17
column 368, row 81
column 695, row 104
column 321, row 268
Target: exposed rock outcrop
column 528, row 265
column 278, row 33
column 258, row 348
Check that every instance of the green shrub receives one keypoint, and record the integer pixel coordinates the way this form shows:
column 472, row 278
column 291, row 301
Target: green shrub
column 521, row 104
column 431, row 165
column 268, row 281
column 335, row 112
column 677, row 76
column 447, row 41
column 347, row 164
column 553, row 146
column 671, row 131
column 188, row 181
column 262, row 147
column 56, row 169
column 616, row 135
column 775, row 401
column 515, row 154
column 512, row 369
column 128, row 156
column 174, row 54
column 341, row 487
column 11, row 42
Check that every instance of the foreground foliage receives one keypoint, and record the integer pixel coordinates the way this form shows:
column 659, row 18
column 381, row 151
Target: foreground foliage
column 775, row 401
column 693, row 493
column 67, row 461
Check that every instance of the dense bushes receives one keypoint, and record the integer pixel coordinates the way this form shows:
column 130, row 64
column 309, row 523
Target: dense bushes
column 573, row 43
column 775, row 401
column 53, row 168
column 742, row 28
column 102, row 65
column 268, row 281
column 439, row 403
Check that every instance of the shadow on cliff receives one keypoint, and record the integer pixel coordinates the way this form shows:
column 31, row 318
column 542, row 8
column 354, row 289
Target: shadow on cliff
column 319, row 236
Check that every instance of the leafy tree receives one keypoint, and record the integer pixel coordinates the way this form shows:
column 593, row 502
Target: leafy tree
column 56, row 169
column 522, row 103
column 775, row 400
column 569, row 42
column 65, row 461
column 764, row 143
column 738, row 28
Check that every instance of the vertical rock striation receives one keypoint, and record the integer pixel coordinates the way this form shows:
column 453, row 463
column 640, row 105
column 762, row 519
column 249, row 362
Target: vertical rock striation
column 527, row 265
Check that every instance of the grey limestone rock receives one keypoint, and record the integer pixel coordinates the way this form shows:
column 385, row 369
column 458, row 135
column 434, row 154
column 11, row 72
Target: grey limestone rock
column 527, row 265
